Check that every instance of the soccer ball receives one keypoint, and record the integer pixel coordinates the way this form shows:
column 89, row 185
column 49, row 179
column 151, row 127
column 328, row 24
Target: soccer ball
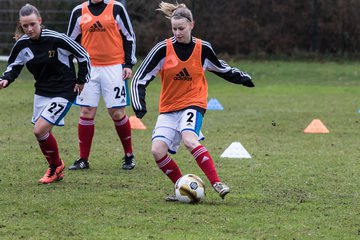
column 190, row 189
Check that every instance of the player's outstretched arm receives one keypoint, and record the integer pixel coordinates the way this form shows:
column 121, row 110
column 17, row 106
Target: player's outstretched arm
column 3, row 83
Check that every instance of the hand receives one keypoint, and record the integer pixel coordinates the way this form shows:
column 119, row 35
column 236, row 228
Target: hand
column 248, row 83
column 127, row 74
column 140, row 114
column 78, row 88
column 3, row 83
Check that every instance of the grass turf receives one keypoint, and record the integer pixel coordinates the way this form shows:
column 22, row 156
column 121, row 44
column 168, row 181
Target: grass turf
column 295, row 186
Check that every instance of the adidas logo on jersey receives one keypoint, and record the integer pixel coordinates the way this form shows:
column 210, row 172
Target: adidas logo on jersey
column 183, row 75
column 97, row 27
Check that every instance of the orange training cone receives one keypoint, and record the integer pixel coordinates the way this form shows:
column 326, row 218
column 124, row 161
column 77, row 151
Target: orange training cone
column 316, row 126
column 136, row 123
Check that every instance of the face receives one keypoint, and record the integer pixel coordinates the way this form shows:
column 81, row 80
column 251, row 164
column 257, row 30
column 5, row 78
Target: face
column 181, row 29
column 31, row 25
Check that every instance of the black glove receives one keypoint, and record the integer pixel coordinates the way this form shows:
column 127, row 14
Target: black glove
column 248, row 83
column 140, row 113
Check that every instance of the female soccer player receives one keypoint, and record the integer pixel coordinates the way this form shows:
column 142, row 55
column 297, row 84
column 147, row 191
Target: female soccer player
column 181, row 61
column 48, row 55
column 103, row 28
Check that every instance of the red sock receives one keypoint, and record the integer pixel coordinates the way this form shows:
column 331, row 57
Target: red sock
column 170, row 168
column 49, row 148
column 123, row 129
column 86, row 130
column 206, row 163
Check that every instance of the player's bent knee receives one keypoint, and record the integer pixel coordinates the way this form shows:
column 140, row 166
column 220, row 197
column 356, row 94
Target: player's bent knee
column 39, row 133
column 190, row 143
column 158, row 151
column 41, row 128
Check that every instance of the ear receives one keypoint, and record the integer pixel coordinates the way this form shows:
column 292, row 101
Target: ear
column 192, row 24
column 40, row 20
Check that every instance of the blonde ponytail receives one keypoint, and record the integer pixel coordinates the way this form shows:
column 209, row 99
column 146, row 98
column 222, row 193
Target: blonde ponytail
column 176, row 11
column 19, row 32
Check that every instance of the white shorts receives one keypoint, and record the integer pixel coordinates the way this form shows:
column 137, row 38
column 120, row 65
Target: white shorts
column 108, row 82
column 52, row 110
column 169, row 127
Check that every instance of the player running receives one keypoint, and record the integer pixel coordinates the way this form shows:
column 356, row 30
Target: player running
column 48, row 55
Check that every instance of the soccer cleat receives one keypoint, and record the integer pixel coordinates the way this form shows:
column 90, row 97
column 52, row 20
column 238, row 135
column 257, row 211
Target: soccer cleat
column 128, row 163
column 60, row 176
column 171, row 198
column 80, row 164
column 53, row 173
column 221, row 188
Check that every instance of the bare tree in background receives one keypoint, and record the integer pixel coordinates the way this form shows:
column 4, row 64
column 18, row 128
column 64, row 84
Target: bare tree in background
column 235, row 27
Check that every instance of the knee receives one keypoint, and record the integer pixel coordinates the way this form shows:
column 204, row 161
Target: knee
column 117, row 113
column 158, row 151
column 39, row 132
column 88, row 112
column 190, row 143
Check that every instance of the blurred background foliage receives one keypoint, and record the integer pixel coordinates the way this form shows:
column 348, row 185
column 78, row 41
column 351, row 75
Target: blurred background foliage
column 237, row 28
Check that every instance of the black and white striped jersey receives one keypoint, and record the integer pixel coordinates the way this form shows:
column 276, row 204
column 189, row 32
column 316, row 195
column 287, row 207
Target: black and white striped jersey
column 154, row 62
column 122, row 20
column 50, row 60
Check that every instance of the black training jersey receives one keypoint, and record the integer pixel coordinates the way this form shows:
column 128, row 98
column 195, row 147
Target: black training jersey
column 154, row 61
column 50, row 60
column 122, row 20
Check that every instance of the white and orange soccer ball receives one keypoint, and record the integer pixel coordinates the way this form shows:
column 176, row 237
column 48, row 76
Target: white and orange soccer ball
column 190, row 189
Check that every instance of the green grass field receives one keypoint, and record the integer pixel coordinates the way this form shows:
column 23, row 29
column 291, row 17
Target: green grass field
column 295, row 186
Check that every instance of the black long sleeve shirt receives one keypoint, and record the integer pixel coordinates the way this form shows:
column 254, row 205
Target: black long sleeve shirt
column 50, row 60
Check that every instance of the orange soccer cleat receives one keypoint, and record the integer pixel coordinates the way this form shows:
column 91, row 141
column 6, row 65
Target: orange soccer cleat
column 53, row 173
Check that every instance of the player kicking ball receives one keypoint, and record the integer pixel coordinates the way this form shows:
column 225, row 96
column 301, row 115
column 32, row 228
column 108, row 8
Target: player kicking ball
column 181, row 61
